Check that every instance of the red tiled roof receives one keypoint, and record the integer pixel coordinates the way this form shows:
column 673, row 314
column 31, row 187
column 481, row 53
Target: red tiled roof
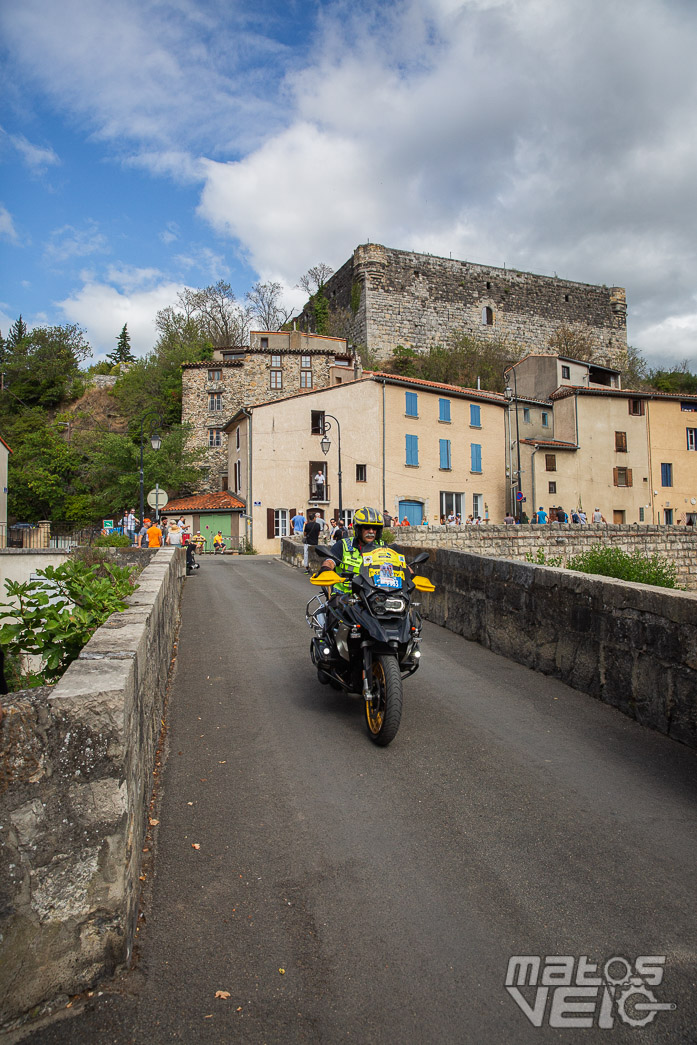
column 205, row 502
column 550, row 442
column 627, row 393
column 495, row 397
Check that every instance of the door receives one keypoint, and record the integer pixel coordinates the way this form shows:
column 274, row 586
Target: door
column 210, row 524
column 413, row 511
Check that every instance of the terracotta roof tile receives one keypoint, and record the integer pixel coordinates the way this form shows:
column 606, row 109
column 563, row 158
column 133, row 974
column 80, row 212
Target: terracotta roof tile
column 205, row 502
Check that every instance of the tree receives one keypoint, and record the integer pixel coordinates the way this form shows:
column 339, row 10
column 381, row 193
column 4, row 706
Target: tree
column 43, row 367
column 219, row 316
column 575, row 342
column 18, row 332
column 635, row 373
column 315, row 278
column 677, row 380
column 265, row 304
column 122, row 353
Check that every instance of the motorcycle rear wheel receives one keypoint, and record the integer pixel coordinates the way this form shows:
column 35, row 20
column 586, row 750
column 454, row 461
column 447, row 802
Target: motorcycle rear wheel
column 383, row 712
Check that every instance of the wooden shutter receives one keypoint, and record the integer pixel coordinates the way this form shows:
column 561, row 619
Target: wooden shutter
column 293, row 511
column 629, row 476
column 270, row 523
column 615, row 477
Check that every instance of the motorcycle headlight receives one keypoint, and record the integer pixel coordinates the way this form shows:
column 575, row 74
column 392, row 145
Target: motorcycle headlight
column 387, row 604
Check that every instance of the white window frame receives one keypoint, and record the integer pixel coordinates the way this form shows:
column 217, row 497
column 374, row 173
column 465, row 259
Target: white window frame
column 281, row 522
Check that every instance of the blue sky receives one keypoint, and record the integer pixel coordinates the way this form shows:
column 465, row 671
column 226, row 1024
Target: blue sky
column 147, row 146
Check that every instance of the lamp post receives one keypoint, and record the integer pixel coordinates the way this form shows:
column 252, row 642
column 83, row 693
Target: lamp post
column 155, row 441
column 325, row 444
column 513, row 393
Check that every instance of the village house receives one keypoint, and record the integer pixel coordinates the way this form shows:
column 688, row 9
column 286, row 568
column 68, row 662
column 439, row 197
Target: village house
column 275, row 364
column 418, row 449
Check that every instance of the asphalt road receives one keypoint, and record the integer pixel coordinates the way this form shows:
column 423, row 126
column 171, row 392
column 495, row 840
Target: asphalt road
column 347, row 893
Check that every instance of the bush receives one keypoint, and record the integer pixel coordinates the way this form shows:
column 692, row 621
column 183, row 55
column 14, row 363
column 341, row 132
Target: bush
column 612, row 562
column 544, row 560
column 112, row 540
column 246, row 547
column 54, row 617
column 387, row 535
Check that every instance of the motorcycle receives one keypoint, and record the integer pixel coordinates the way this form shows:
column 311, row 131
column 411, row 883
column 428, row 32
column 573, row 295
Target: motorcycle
column 367, row 640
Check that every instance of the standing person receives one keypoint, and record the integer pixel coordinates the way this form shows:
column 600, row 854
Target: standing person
column 562, row 517
column 298, row 523
column 154, row 535
column 388, row 518
column 311, row 534
column 131, row 526
column 337, row 531
column 582, row 517
column 142, row 535
column 598, row 516
column 319, row 484
column 508, row 519
column 174, row 535
column 541, row 515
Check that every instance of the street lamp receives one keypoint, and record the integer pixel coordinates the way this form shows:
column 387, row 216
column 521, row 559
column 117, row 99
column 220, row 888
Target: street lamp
column 155, row 441
column 325, row 444
column 513, row 394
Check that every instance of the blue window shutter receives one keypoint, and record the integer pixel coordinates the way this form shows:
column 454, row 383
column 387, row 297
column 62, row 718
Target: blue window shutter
column 476, row 451
column 475, row 415
column 412, row 449
column 445, row 453
column 411, row 404
column 444, row 407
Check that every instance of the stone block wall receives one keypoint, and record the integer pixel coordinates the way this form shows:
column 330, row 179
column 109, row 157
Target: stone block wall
column 676, row 543
column 417, row 300
column 76, row 763
column 630, row 645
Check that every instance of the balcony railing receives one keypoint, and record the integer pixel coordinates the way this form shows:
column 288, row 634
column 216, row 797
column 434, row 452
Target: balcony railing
column 320, row 493
column 46, row 535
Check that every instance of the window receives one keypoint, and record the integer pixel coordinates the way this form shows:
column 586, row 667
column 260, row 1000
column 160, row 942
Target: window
column 264, row 342
column 223, row 482
column 622, row 476
column 550, row 462
column 690, row 408
column 477, row 505
column 237, row 438
column 215, row 375
column 306, row 379
column 412, row 450
column 621, row 442
column 280, row 522
column 691, row 438
column 305, row 363
column 238, row 476
column 445, row 454
column 346, row 517
column 552, row 487
column 411, row 404
column 444, row 410
column 668, row 516
column 276, row 379
column 450, row 503
column 641, row 515
column 526, row 415
column 475, row 457
column 317, row 422
column 566, row 370
column 475, row 415
column 361, row 473
column 666, row 475
column 636, row 407
column 215, row 437
column 215, row 401
column 275, row 360
column 545, row 419
column 487, row 316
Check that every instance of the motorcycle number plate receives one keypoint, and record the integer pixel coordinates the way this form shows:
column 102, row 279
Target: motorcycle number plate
column 390, row 578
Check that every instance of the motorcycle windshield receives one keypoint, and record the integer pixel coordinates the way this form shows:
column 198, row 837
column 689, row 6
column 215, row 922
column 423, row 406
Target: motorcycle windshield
column 385, row 569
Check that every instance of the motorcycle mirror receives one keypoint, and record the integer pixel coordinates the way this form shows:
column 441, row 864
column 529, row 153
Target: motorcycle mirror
column 421, row 557
column 326, row 553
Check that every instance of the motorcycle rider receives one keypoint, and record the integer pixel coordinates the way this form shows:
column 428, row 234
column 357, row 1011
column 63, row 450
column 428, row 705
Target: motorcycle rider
column 367, row 534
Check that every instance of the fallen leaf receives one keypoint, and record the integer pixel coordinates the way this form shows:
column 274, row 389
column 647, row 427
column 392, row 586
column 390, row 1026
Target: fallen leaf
column 282, row 972
column 154, row 823
column 189, row 803
column 224, row 762
column 209, row 1016
column 195, row 845
column 143, row 877
column 222, row 994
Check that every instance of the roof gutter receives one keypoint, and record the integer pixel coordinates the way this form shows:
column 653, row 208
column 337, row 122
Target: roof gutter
column 249, row 521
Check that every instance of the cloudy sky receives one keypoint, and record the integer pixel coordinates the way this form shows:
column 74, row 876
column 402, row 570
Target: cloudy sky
column 148, row 146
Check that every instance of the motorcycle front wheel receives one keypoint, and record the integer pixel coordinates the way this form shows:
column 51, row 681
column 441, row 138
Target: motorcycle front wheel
column 383, row 711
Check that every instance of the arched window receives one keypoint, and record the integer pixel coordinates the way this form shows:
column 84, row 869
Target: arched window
column 487, row 316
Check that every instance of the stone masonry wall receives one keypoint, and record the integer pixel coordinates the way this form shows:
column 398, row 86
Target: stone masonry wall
column 629, row 645
column 418, row 300
column 243, row 383
column 676, row 543
column 76, row 764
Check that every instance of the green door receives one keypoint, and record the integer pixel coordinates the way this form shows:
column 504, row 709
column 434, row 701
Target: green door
column 210, row 524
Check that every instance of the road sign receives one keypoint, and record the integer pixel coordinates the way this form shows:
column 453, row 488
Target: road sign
column 519, row 496
column 157, row 498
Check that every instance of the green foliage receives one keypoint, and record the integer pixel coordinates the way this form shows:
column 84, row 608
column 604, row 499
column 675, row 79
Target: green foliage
column 320, row 310
column 355, row 297
column 112, row 540
column 41, row 367
column 122, row 353
column 53, row 618
column 677, row 380
column 613, row 562
column 541, row 559
column 387, row 535
column 42, row 467
column 246, row 547
column 575, row 342
column 463, row 362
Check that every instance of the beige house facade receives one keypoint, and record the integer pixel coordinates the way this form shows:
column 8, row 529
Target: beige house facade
column 419, row 450
column 672, row 425
column 276, row 364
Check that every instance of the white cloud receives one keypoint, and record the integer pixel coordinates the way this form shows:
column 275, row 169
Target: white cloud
column 69, row 242
column 170, row 233
column 37, row 157
column 102, row 310
column 204, row 260
column 7, row 226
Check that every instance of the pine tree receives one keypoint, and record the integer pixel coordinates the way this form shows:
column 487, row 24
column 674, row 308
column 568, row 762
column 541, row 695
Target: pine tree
column 122, row 353
column 18, row 332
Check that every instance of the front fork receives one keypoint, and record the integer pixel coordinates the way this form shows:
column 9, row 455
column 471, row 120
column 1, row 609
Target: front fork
column 366, row 647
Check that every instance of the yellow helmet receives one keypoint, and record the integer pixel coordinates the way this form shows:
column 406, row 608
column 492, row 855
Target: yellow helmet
column 368, row 517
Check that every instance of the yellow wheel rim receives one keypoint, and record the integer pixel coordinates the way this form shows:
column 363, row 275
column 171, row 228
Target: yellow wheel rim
column 375, row 708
